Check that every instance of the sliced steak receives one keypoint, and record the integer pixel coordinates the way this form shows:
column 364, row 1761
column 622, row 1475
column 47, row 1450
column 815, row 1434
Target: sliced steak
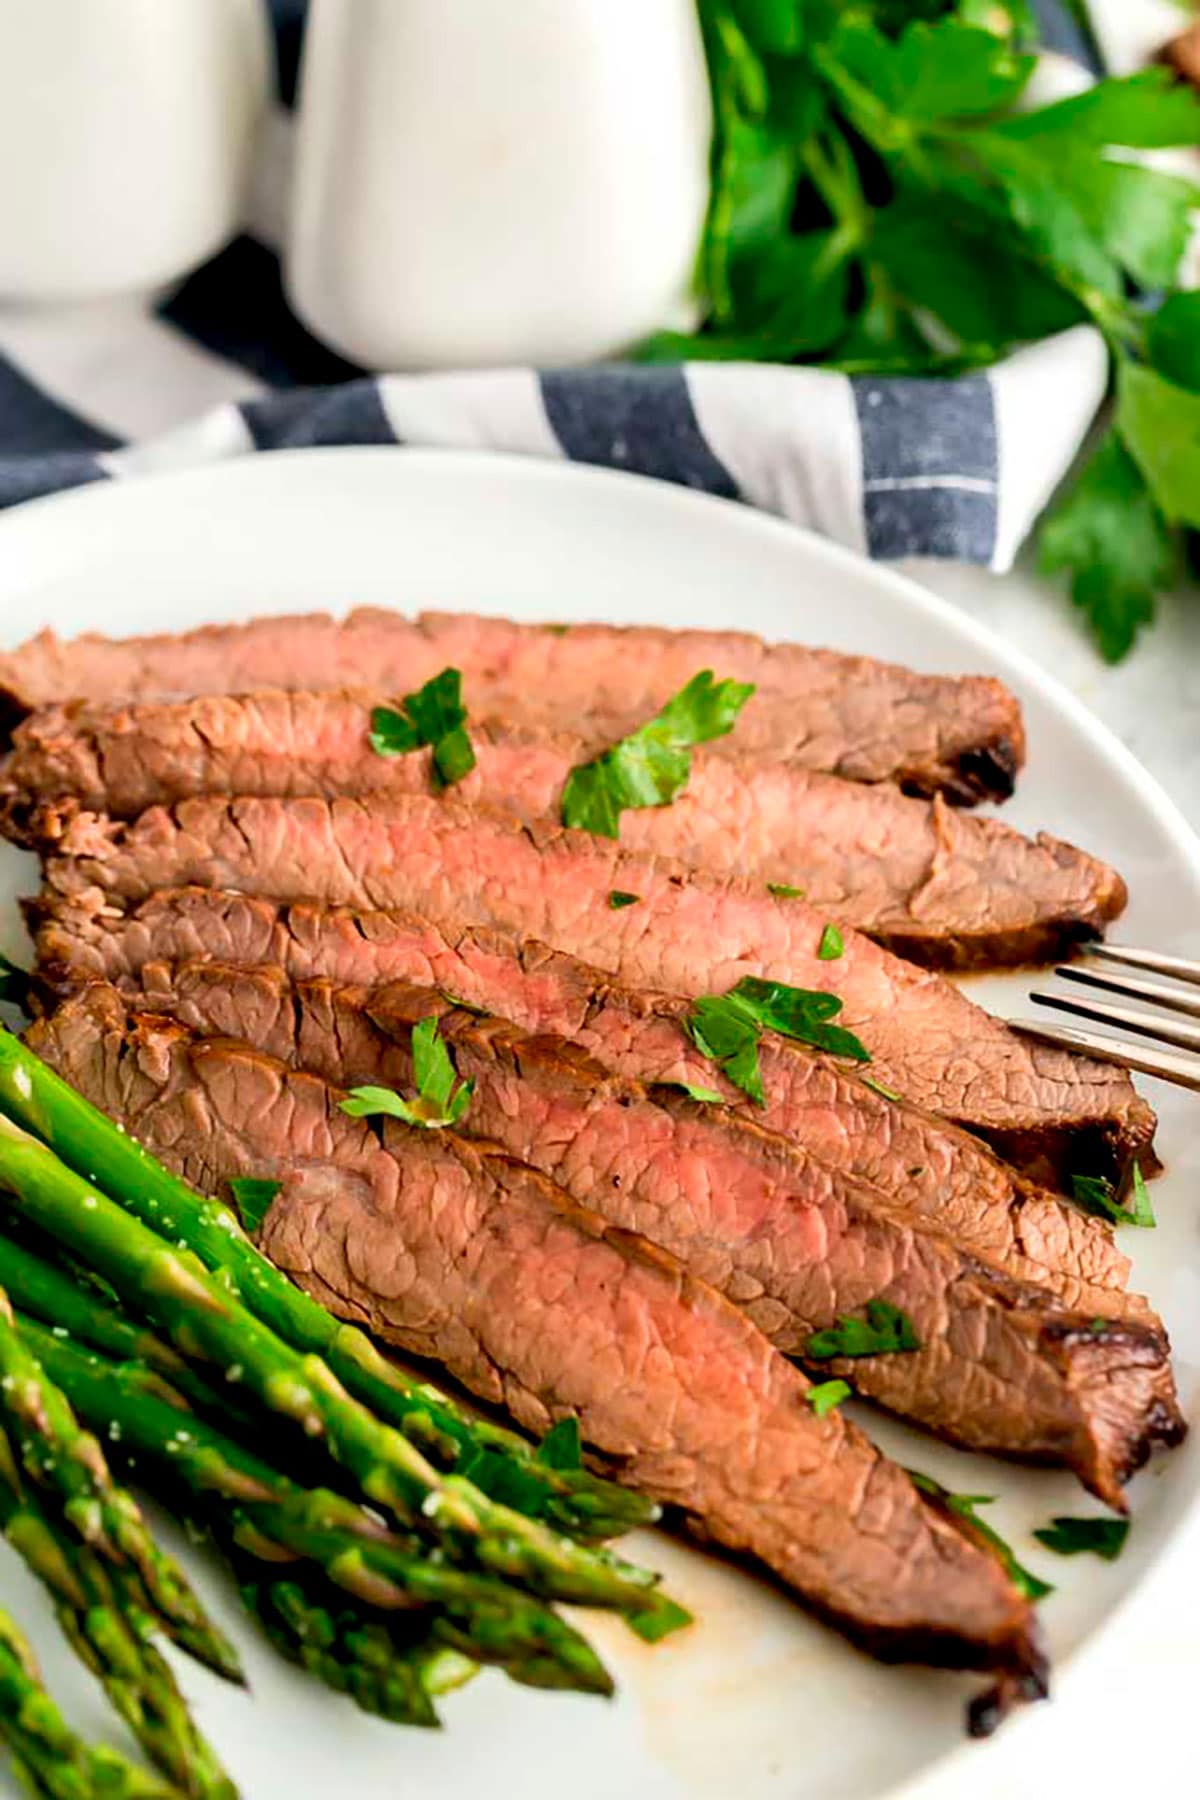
column 947, row 889
column 687, row 934
column 937, row 1169
column 1002, row 1365
column 850, row 715
column 461, row 1254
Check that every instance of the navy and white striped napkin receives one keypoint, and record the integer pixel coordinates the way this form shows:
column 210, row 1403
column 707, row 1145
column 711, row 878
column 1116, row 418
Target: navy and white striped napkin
column 221, row 368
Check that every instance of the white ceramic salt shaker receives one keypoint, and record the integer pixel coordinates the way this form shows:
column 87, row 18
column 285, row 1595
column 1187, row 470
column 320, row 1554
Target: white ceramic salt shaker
column 126, row 128
column 498, row 181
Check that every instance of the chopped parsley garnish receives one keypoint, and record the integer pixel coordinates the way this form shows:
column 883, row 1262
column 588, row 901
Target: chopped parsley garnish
column 831, row 945
column 652, row 764
column 253, row 1200
column 562, row 1448
column 434, row 716
column 1096, row 1195
column 709, row 1096
column 885, row 1093
column 800, row 1013
column 481, row 1012
column 782, row 891
column 15, row 985
column 1072, row 1537
column 658, row 1621
column 826, row 1395
column 730, row 1037
column 618, row 899
column 963, row 1505
column 728, row 1027
column 442, row 1098
column 885, row 1331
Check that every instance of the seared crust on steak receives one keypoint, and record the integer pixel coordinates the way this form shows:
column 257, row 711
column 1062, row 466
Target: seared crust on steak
column 458, row 1252
column 1050, row 1112
column 850, row 715
column 1003, row 1366
column 940, row 886
column 937, row 1169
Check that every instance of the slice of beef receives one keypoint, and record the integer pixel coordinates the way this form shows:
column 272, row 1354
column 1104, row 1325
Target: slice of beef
column 460, row 1253
column 945, row 888
column 687, row 934
column 935, row 1170
column 940, row 1171
column 851, row 715
column 1002, row 1366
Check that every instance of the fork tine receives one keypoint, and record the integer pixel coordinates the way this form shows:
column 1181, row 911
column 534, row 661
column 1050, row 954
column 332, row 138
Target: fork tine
column 1134, row 988
column 1184, row 1071
column 1155, row 962
column 1150, row 1025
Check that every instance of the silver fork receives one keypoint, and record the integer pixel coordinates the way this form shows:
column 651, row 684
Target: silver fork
column 1178, row 998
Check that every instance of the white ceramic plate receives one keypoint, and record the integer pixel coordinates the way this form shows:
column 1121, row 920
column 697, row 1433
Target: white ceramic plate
column 756, row 1700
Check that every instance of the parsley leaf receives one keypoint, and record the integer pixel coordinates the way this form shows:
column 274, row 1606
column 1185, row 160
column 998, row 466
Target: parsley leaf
column 15, row 984
column 562, row 1448
column 1096, row 1195
column 651, row 765
column 832, row 944
column 1107, row 534
column 800, row 1013
column 253, row 1199
column 1072, row 1537
column 1141, row 1212
column 618, row 899
column 773, row 25
column 727, row 1027
column 1147, row 111
column 885, row 1331
column 721, row 1030
column 1048, row 214
column 441, row 1098
column 826, row 1395
column 963, row 1506
column 709, row 1096
column 944, row 70
column 433, row 716
column 954, row 264
column 1160, row 425
column 1173, row 340
column 1141, row 216
column 782, row 891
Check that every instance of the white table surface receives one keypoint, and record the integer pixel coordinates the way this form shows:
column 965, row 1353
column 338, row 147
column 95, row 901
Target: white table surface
column 1123, row 1717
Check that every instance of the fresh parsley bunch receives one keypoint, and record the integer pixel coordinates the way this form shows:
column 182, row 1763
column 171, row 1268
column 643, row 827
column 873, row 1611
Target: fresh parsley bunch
column 882, row 204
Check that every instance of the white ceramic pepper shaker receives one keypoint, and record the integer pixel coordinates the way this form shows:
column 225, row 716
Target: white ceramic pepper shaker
column 126, row 130
column 498, row 181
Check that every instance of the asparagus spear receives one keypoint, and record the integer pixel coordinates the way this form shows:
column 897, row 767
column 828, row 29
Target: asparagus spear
column 51, row 1762
column 571, row 1500
column 57, row 1295
column 63, row 1458
column 204, row 1319
column 350, row 1652
column 273, row 1518
column 64, row 1299
column 109, row 1636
